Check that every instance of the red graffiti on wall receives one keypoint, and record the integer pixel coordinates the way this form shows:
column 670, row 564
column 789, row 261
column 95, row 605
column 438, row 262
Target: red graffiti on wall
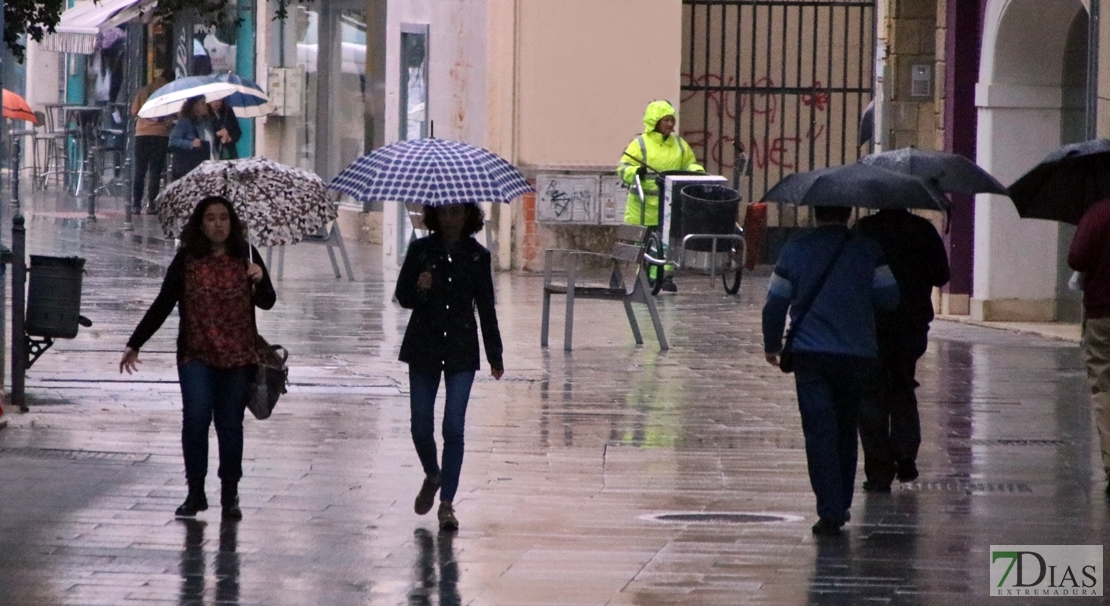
column 719, row 148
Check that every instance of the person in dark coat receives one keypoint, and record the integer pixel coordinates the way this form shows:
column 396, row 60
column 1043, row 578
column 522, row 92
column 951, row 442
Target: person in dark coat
column 215, row 280
column 193, row 137
column 446, row 276
column 226, row 126
column 1090, row 253
column 889, row 425
column 834, row 348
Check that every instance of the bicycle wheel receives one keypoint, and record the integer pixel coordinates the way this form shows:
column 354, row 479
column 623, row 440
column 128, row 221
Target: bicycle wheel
column 732, row 270
column 653, row 247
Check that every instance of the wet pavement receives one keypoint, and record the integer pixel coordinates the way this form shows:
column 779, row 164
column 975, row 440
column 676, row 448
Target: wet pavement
column 571, row 458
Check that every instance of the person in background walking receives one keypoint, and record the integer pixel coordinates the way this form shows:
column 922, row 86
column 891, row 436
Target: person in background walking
column 445, row 277
column 889, row 425
column 834, row 348
column 215, row 280
column 193, row 138
column 1090, row 254
column 152, row 137
column 227, row 130
column 662, row 149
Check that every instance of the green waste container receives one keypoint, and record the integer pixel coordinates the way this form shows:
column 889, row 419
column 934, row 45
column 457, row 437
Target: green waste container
column 54, row 296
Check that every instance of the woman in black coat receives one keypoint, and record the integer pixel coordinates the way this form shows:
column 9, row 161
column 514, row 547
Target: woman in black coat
column 445, row 277
column 227, row 130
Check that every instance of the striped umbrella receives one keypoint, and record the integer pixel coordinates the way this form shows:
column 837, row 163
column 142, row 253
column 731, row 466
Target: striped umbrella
column 167, row 100
column 249, row 101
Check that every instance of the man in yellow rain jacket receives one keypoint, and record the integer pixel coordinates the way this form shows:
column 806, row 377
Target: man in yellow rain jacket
column 661, row 149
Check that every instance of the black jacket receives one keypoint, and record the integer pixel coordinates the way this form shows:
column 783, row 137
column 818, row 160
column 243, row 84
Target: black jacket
column 225, row 118
column 173, row 287
column 442, row 332
column 918, row 260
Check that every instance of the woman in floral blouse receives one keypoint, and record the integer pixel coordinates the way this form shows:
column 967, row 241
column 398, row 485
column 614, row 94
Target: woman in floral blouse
column 215, row 280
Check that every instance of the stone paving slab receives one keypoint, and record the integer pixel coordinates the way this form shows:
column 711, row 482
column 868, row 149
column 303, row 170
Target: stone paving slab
column 568, row 459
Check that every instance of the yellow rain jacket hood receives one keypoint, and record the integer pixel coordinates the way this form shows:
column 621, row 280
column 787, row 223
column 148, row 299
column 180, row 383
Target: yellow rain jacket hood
column 672, row 153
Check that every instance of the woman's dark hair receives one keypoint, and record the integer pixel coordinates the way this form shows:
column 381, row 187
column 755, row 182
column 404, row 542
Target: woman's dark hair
column 839, row 214
column 189, row 108
column 196, row 244
column 475, row 219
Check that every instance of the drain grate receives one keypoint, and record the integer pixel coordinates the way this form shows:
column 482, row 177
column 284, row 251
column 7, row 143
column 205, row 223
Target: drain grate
column 965, row 487
column 76, row 455
column 722, row 517
column 1016, row 442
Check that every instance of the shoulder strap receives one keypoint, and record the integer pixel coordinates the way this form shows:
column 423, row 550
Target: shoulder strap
column 806, row 303
column 643, row 149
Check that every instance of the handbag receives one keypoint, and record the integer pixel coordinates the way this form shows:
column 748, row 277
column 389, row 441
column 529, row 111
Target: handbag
column 786, row 356
column 270, row 379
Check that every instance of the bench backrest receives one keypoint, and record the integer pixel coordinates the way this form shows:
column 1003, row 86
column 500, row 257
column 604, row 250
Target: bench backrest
column 628, row 249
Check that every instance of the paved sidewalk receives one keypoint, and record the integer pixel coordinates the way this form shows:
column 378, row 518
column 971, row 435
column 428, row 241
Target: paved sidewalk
column 570, row 459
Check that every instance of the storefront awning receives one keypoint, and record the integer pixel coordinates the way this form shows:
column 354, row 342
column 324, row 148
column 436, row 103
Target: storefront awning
column 79, row 26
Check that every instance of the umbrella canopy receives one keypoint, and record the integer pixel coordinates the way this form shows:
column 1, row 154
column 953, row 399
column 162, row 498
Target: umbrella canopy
column 16, row 108
column 861, row 185
column 278, row 203
column 250, row 101
column 168, row 99
column 952, row 172
column 1065, row 183
column 433, row 172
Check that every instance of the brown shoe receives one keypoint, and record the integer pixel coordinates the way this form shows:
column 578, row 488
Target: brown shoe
column 427, row 495
column 447, row 520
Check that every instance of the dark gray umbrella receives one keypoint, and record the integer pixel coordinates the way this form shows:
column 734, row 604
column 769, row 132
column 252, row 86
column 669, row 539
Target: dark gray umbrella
column 952, row 172
column 861, row 185
column 1065, row 183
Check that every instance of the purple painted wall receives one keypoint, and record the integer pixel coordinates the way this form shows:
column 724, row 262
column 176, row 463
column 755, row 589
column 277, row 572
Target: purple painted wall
column 962, row 47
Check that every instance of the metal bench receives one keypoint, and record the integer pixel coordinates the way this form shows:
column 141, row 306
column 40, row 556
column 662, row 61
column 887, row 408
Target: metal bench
column 567, row 272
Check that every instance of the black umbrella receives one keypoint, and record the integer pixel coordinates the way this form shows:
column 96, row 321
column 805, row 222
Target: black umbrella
column 952, row 172
column 1065, row 183
column 858, row 184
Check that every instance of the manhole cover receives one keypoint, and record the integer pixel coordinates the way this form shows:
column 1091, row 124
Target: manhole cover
column 722, row 517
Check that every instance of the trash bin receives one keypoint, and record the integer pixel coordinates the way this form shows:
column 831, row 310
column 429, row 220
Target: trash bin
column 54, row 296
column 708, row 209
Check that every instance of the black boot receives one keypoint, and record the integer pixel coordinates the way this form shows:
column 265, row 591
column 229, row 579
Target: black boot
column 229, row 500
column 196, row 501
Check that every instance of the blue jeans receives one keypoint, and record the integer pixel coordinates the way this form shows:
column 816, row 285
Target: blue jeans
column 830, row 388
column 423, row 385
column 213, row 394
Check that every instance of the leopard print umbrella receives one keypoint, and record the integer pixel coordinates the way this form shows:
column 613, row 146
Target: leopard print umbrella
column 279, row 204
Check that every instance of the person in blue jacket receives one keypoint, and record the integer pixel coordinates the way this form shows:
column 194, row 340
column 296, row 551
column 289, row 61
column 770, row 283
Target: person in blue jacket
column 445, row 278
column 835, row 347
column 193, row 137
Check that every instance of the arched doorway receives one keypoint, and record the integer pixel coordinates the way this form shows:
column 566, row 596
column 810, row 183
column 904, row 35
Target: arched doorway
column 1031, row 98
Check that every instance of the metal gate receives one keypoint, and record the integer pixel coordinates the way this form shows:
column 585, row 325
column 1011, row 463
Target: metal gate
column 783, row 81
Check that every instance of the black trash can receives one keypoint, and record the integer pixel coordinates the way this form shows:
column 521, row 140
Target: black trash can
column 708, row 209
column 54, row 296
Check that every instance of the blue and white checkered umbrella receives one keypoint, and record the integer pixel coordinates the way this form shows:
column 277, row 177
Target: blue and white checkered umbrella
column 433, row 172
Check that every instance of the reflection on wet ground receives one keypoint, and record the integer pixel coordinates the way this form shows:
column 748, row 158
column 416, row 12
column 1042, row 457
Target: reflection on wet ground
column 567, row 459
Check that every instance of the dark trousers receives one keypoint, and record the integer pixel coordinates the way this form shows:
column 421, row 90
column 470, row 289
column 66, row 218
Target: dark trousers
column 150, row 156
column 830, row 388
column 423, row 385
column 213, row 394
column 889, row 425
